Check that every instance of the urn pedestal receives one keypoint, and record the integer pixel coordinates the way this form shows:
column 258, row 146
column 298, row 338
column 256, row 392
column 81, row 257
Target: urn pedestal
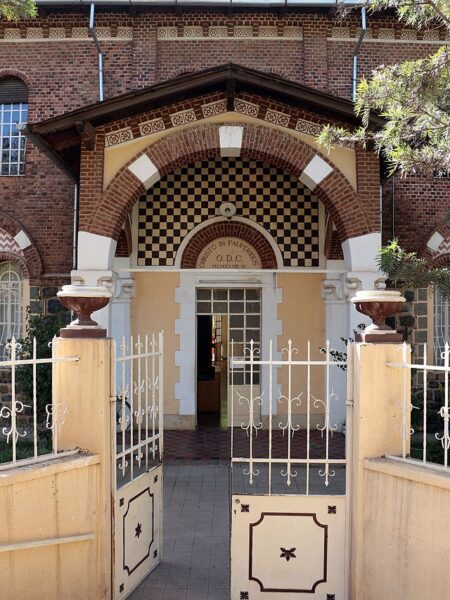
column 378, row 305
column 83, row 300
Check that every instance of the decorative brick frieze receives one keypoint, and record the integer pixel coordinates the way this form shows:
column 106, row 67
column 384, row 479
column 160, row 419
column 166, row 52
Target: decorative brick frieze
column 277, row 118
column 307, row 127
column 218, row 32
column 167, row 33
column 11, row 34
column 212, row 109
column 118, row 137
column 35, row 33
column 152, row 126
column 80, row 32
column 184, row 117
column 238, row 32
column 246, row 108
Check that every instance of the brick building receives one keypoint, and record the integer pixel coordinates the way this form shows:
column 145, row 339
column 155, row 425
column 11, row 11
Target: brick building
column 202, row 155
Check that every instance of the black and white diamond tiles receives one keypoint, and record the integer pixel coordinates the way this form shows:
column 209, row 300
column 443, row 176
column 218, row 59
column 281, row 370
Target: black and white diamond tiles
column 193, row 193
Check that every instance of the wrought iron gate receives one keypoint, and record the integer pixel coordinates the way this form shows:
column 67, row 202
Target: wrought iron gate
column 137, row 425
column 289, row 481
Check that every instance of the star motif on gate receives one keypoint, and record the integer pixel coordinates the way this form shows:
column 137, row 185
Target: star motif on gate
column 138, row 530
column 287, row 554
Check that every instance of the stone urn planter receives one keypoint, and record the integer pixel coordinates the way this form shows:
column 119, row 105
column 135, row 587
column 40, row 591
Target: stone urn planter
column 83, row 300
column 378, row 305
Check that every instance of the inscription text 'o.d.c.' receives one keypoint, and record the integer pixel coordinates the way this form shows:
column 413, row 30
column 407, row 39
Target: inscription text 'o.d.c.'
column 228, row 253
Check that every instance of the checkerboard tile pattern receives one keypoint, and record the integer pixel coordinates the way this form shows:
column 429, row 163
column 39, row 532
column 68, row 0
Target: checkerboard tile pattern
column 192, row 194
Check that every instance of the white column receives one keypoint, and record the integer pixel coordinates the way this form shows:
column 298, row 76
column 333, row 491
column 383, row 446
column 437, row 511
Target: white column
column 334, row 295
column 121, row 301
column 95, row 261
column 360, row 257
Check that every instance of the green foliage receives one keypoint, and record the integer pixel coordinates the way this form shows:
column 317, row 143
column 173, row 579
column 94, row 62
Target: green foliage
column 25, row 449
column 405, row 269
column 413, row 97
column 341, row 356
column 44, row 329
column 15, row 10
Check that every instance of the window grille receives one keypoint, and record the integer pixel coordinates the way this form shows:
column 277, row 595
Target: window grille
column 11, row 304
column 441, row 326
column 13, row 110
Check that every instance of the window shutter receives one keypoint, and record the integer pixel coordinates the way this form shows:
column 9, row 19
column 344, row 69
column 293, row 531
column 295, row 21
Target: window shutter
column 13, row 89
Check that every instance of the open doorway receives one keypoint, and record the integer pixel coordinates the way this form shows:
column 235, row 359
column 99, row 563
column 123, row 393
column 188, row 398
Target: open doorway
column 224, row 315
column 212, row 344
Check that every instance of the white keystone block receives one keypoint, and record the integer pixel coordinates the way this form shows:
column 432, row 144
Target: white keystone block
column 22, row 239
column 315, row 172
column 230, row 140
column 145, row 170
column 435, row 241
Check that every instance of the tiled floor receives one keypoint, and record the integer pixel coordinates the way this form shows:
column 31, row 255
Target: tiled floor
column 196, row 559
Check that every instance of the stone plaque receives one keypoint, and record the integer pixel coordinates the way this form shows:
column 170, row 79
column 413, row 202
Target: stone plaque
column 228, row 253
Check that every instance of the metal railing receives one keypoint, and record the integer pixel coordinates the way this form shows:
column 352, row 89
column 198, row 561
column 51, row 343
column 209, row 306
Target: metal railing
column 138, row 411
column 426, row 410
column 25, row 422
column 287, row 445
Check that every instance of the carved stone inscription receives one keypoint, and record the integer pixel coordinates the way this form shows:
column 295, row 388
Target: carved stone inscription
column 228, row 253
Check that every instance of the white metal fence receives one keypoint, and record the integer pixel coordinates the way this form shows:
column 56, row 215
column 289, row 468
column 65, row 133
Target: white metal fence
column 28, row 427
column 426, row 411
column 138, row 412
column 277, row 447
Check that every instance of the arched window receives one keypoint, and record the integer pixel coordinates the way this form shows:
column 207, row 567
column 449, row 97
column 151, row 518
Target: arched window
column 11, row 303
column 13, row 110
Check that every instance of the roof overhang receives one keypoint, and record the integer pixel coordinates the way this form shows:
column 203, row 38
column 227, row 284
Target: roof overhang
column 60, row 137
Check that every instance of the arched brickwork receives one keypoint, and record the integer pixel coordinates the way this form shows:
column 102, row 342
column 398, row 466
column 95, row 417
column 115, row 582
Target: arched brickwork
column 202, row 142
column 236, row 229
column 15, row 258
column 32, row 258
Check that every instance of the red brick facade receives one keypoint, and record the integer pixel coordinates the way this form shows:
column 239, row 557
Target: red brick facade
column 306, row 46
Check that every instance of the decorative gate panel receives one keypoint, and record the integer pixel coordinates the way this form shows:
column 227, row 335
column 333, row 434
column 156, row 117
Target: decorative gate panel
column 289, row 545
column 137, row 423
column 138, row 530
column 291, row 541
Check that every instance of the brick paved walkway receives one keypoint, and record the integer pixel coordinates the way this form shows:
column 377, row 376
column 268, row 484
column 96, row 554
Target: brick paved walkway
column 214, row 444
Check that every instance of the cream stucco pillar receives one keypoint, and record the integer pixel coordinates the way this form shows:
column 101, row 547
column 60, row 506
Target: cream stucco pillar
column 85, row 388
column 375, row 395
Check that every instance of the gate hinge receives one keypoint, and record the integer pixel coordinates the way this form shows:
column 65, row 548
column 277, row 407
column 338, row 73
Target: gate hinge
column 113, row 398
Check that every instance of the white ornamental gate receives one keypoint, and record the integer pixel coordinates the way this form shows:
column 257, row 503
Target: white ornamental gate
column 289, row 484
column 137, row 450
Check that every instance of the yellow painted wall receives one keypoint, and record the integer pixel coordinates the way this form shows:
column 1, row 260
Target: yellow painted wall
column 57, row 499
column 154, row 309
column 406, row 532
column 302, row 313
